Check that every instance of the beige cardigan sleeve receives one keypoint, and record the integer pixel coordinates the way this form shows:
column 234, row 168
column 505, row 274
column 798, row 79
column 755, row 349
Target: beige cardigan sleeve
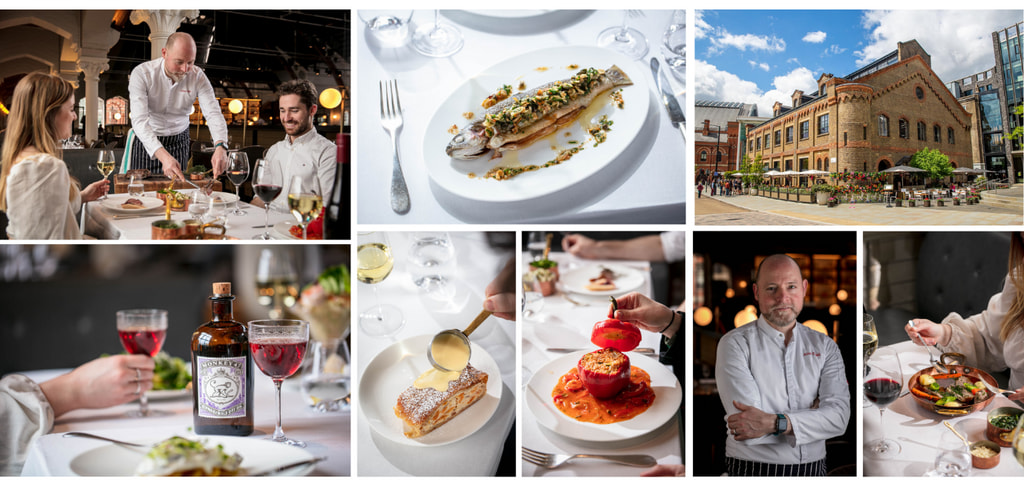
column 25, row 415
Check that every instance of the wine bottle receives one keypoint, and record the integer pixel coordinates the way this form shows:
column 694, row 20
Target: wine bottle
column 222, row 371
column 338, row 218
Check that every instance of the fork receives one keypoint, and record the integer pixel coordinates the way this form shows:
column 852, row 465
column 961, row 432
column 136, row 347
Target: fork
column 551, row 461
column 391, row 120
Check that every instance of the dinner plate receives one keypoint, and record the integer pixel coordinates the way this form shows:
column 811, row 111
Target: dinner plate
column 626, row 279
column 521, row 22
column 282, row 231
column 168, row 394
column 113, row 203
column 258, row 455
column 225, row 197
column 667, row 397
column 396, row 368
column 535, row 68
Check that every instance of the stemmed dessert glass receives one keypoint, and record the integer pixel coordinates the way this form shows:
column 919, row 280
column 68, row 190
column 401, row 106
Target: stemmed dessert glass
column 278, row 346
column 882, row 385
column 437, row 39
column 375, row 264
column 305, row 200
column 142, row 331
column 238, row 171
column 105, row 164
column 623, row 38
column 266, row 185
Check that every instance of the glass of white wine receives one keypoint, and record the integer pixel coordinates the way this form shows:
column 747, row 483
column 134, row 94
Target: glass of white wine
column 305, row 200
column 276, row 281
column 375, row 264
column 1017, row 441
column 105, row 164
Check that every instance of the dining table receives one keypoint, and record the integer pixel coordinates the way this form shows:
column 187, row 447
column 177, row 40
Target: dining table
column 326, row 434
column 642, row 181
column 559, row 331
column 473, row 443
column 106, row 223
column 919, row 430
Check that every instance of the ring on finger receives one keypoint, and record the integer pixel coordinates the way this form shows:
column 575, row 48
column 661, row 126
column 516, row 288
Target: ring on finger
column 138, row 375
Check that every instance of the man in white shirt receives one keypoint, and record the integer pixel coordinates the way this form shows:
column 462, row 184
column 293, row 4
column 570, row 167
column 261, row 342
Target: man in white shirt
column 303, row 152
column 162, row 94
column 783, row 384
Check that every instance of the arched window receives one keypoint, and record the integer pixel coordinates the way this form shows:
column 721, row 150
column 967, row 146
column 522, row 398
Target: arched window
column 883, row 126
column 703, row 155
column 904, row 129
column 922, row 131
column 937, row 133
column 949, row 135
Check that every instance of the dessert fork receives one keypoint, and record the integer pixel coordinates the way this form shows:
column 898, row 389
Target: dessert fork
column 551, row 461
column 391, row 120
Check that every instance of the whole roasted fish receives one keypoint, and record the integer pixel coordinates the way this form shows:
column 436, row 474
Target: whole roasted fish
column 525, row 117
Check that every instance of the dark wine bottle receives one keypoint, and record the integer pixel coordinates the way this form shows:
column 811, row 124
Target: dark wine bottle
column 222, row 371
column 338, row 216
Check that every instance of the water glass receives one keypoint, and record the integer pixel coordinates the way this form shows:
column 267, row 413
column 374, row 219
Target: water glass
column 431, row 260
column 674, row 44
column 533, row 299
column 135, row 189
column 953, row 458
column 389, row 27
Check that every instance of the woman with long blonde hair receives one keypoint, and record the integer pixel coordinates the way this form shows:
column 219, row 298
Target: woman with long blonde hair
column 36, row 190
column 994, row 339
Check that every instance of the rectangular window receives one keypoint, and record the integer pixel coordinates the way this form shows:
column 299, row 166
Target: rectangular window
column 759, row 143
column 883, row 126
column 949, row 135
column 922, row 132
column 937, row 133
column 865, row 134
column 789, row 134
column 904, row 129
column 805, row 129
column 778, row 137
column 823, row 124
column 844, row 139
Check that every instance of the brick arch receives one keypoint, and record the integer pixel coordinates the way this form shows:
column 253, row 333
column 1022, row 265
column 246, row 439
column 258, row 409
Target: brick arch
column 883, row 164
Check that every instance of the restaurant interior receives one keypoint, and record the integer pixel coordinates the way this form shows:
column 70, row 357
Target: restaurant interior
column 246, row 54
column 724, row 265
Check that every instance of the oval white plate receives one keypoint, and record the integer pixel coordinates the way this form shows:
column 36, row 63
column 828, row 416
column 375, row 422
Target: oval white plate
column 113, row 203
column 576, row 279
column 452, row 175
column 225, row 197
column 667, row 397
column 396, row 368
column 257, row 455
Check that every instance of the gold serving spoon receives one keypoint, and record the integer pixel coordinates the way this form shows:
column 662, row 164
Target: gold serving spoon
column 452, row 344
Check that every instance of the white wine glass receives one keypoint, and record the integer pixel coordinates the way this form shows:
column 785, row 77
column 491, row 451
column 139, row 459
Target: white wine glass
column 437, row 39
column 142, row 331
column 276, row 281
column 266, row 184
column 375, row 264
column 278, row 346
column 623, row 38
column 238, row 172
column 105, row 164
column 305, row 200
column 1017, row 441
column 882, row 385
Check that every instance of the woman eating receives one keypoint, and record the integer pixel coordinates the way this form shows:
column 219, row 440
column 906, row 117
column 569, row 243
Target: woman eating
column 36, row 190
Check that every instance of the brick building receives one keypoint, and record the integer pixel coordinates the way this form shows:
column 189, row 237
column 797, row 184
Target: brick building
column 872, row 119
column 721, row 129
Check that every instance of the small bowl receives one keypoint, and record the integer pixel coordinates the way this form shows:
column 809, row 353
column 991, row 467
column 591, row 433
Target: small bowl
column 995, row 434
column 985, row 462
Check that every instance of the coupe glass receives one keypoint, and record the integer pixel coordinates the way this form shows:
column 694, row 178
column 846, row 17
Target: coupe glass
column 375, row 264
column 105, row 164
column 266, row 184
column 305, row 200
column 882, row 385
column 142, row 331
column 278, row 346
column 623, row 38
column 437, row 39
column 238, row 171
column 870, row 338
column 276, row 281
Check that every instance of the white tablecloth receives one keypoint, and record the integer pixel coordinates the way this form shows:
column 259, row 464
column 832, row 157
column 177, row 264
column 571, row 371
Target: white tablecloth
column 654, row 193
column 325, row 434
column 480, row 453
column 562, row 324
column 102, row 225
column 919, row 430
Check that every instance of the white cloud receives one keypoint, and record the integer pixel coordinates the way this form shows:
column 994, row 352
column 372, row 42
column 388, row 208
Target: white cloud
column 833, row 50
column 701, row 28
column 725, row 40
column 759, row 65
column 959, row 42
column 816, row 37
column 714, row 84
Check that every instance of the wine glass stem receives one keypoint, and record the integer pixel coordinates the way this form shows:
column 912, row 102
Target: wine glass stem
column 437, row 19
column 266, row 217
column 278, row 431
column 143, row 405
column 881, row 420
column 380, row 308
column 237, row 198
column 304, row 231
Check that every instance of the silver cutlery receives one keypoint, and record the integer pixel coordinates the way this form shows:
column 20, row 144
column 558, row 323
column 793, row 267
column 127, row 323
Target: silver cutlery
column 271, row 472
column 551, row 461
column 574, row 302
column 938, row 365
column 668, row 98
column 333, row 405
column 391, row 120
column 994, row 389
column 87, row 435
column 119, row 216
column 573, row 350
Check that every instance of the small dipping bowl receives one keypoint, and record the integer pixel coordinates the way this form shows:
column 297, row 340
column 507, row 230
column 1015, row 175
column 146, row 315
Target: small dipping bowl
column 984, row 462
column 1001, row 436
column 448, row 345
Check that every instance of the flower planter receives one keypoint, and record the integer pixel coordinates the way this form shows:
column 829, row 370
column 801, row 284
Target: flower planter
column 956, row 202
column 927, row 203
column 822, row 197
column 941, row 203
column 899, row 203
column 910, row 203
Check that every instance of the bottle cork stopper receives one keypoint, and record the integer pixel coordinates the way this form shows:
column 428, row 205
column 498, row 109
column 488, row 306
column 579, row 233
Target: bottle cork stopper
column 222, row 288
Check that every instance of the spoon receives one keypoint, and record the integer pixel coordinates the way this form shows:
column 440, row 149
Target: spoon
column 461, row 337
column 950, row 427
column 941, row 367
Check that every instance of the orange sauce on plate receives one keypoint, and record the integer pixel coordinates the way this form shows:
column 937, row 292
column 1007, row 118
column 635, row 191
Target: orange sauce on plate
column 572, row 398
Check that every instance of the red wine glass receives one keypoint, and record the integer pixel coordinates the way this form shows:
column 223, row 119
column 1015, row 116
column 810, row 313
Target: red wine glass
column 142, row 331
column 278, row 346
column 882, row 385
column 266, row 184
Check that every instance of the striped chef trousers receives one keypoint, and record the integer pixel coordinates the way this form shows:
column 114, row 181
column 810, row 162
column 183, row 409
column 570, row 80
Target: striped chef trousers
column 742, row 467
column 179, row 146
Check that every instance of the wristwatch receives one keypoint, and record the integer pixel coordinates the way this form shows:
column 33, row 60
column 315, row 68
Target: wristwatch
column 220, row 144
column 781, row 424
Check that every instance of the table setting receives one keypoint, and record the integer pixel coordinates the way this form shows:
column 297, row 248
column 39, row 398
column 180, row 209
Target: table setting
column 414, row 286
column 557, row 326
column 908, row 433
column 614, row 154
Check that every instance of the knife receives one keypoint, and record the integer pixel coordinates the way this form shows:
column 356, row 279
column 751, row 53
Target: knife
column 675, row 112
column 271, row 472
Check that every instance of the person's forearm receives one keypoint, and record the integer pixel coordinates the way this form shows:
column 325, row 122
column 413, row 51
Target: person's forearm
column 59, row 393
column 641, row 248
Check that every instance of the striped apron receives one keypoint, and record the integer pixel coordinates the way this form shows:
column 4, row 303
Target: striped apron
column 179, row 146
column 742, row 467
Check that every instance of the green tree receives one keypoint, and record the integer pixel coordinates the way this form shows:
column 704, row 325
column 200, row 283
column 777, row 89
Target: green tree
column 753, row 170
column 934, row 162
column 1018, row 131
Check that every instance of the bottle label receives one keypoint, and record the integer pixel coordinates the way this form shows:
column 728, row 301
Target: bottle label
column 221, row 383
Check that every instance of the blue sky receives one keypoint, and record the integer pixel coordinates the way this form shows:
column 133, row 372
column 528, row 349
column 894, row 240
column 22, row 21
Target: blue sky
column 763, row 56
